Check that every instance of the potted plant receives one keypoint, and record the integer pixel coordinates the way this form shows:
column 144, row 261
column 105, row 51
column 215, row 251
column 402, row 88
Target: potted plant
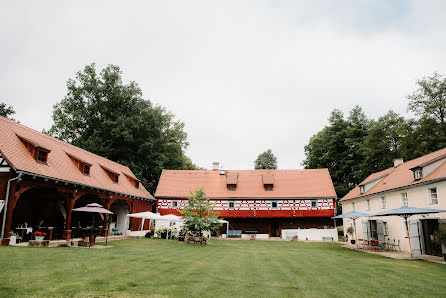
column 253, row 237
column 350, row 232
column 39, row 235
column 440, row 238
column 295, row 238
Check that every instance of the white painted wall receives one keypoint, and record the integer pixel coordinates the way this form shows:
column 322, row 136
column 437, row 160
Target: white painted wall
column 310, row 234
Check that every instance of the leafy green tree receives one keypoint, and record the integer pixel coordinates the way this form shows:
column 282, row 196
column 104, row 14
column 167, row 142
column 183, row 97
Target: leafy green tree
column 266, row 160
column 103, row 115
column 382, row 143
column 6, row 111
column 429, row 100
column 198, row 215
column 329, row 149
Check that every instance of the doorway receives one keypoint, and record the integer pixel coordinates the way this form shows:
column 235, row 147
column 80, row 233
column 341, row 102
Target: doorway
column 275, row 230
column 429, row 226
column 373, row 229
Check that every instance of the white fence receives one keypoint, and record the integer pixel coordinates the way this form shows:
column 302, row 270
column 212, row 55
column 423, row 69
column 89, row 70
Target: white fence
column 311, row 234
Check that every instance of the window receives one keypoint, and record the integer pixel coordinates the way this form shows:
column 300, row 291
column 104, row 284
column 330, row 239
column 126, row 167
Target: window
column 404, row 200
column 433, row 196
column 231, row 204
column 86, row 169
column 115, row 178
column 353, row 207
column 361, row 189
column 231, row 187
column 313, row 204
column 41, row 155
column 268, row 187
column 417, row 175
column 367, row 204
column 174, row 204
column 274, row 204
column 383, row 203
column 386, row 229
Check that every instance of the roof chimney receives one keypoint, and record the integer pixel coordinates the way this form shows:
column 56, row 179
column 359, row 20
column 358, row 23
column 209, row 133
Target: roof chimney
column 397, row 162
column 215, row 166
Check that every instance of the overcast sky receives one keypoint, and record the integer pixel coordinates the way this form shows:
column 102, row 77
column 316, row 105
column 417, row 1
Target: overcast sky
column 244, row 76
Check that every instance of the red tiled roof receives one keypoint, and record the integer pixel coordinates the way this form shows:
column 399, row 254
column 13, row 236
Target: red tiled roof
column 59, row 164
column 287, row 184
column 401, row 176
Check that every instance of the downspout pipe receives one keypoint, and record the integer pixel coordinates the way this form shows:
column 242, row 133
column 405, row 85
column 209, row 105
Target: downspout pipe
column 19, row 178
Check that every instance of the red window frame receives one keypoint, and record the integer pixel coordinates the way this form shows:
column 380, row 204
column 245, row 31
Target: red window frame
column 42, row 155
column 86, row 169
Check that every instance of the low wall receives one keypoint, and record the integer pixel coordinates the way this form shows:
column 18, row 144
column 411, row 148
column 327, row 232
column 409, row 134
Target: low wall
column 310, row 234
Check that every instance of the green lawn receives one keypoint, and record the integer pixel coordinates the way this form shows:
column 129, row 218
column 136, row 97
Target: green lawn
column 222, row 268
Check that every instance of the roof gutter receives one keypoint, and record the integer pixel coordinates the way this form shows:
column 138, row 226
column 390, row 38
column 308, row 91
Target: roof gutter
column 18, row 178
column 394, row 189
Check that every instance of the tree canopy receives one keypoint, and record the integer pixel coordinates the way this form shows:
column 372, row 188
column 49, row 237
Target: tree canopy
column 352, row 148
column 103, row 115
column 266, row 160
column 6, row 111
column 198, row 215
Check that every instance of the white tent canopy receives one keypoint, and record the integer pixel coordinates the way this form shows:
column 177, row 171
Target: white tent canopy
column 169, row 217
column 145, row 215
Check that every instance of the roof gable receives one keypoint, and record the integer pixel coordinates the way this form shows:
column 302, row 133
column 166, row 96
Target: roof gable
column 402, row 175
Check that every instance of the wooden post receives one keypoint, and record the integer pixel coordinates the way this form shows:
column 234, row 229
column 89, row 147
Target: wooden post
column 16, row 191
column 70, row 199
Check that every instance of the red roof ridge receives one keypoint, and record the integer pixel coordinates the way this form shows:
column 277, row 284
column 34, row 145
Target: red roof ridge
column 56, row 139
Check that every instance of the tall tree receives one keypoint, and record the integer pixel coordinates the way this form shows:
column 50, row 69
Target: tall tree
column 6, row 111
column 382, row 143
column 198, row 215
column 103, row 115
column 329, row 149
column 266, row 160
column 429, row 100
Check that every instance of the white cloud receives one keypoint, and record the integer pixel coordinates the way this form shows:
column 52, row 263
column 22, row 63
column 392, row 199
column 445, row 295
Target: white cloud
column 243, row 76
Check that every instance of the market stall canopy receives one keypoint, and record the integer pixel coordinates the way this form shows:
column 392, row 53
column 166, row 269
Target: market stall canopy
column 352, row 214
column 94, row 208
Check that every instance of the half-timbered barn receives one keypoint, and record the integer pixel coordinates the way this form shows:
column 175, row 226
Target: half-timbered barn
column 269, row 203
column 42, row 179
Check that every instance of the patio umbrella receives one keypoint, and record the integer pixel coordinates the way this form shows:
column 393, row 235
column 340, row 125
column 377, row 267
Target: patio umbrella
column 407, row 212
column 353, row 215
column 94, row 208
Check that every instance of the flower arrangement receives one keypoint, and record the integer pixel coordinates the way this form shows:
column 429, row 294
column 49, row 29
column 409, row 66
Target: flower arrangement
column 253, row 237
column 39, row 235
column 295, row 238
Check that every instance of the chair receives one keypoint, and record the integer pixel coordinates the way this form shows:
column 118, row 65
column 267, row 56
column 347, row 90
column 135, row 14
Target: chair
column 360, row 243
column 396, row 245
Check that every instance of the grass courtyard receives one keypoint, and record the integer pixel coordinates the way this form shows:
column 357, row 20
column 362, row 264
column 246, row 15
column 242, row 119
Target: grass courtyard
column 163, row 268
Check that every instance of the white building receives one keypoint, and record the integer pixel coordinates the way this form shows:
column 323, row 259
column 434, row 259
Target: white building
column 417, row 183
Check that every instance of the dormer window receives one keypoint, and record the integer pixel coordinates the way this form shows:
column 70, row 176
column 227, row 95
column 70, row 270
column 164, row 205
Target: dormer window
column 417, row 174
column 115, row 178
column 232, row 187
column 113, row 175
column 133, row 181
column 268, row 187
column 42, row 155
column 39, row 153
column 86, row 169
column 361, row 189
